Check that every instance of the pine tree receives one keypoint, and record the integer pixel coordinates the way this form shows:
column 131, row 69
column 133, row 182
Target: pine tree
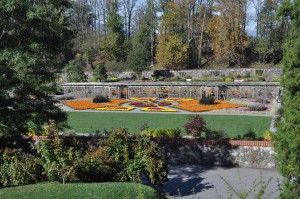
column 33, row 36
column 287, row 138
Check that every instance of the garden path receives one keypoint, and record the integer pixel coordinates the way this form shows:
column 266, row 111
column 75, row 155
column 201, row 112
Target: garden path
column 194, row 181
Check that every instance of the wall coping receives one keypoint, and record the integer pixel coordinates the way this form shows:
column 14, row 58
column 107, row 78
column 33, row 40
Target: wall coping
column 215, row 142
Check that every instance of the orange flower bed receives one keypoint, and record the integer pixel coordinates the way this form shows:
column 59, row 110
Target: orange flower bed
column 118, row 101
column 88, row 104
column 83, row 104
column 194, row 106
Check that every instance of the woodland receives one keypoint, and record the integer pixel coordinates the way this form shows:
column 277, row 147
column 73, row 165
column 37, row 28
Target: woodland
column 181, row 34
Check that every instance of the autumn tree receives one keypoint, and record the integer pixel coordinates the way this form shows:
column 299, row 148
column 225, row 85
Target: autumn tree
column 171, row 52
column 33, row 37
column 229, row 38
column 287, row 137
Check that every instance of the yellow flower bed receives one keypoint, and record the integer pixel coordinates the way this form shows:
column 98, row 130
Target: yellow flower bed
column 116, row 108
column 179, row 99
column 143, row 99
column 194, row 106
column 158, row 109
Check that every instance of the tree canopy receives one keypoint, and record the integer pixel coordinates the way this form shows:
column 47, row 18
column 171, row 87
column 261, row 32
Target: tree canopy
column 287, row 137
column 34, row 35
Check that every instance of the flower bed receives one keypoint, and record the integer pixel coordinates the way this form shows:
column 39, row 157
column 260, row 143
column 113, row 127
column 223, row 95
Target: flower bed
column 158, row 109
column 178, row 99
column 144, row 99
column 118, row 101
column 84, row 104
column 194, row 106
column 164, row 103
column 116, row 108
column 141, row 104
column 88, row 104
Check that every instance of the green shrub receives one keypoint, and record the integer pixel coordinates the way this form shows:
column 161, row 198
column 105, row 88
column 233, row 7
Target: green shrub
column 57, row 159
column 257, row 107
column 162, row 133
column 216, row 135
column 228, row 79
column 19, row 168
column 95, row 166
column 100, row 99
column 251, row 135
column 207, row 100
column 131, row 158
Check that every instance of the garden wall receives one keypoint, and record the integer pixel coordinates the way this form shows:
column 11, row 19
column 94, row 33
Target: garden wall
column 254, row 154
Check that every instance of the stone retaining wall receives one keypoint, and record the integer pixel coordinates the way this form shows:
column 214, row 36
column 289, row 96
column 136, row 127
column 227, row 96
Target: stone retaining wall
column 254, row 154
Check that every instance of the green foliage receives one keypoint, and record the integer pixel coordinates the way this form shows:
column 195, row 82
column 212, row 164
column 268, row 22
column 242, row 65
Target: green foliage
column 135, row 157
column 138, row 59
column 209, row 100
column 99, row 73
column 287, row 136
column 250, row 135
column 100, row 99
column 34, row 35
column 195, row 126
column 115, row 39
column 75, row 71
column 19, row 168
column 57, row 159
column 216, row 135
column 95, row 166
column 162, row 133
column 257, row 107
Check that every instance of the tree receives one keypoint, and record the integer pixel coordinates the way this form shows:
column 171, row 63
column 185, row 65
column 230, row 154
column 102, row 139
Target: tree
column 138, row 59
column 75, row 71
column 171, row 52
column 99, row 73
column 115, row 37
column 287, row 137
column 195, row 126
column 34, row 35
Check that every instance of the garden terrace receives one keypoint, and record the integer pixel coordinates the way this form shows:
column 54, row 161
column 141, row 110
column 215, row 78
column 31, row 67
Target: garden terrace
column 218, row 90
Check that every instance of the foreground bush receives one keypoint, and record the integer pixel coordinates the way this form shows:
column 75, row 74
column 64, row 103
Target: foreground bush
column 18, row 168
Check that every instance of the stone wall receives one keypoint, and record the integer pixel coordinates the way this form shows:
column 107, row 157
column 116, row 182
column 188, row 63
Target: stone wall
column 219, row 90
column 200, row 73
column 254, row 154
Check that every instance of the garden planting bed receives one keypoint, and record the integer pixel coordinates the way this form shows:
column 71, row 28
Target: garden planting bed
column 176, row 105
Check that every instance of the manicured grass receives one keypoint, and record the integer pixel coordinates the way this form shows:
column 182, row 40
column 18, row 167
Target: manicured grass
column 80, row 190
column 89, row 122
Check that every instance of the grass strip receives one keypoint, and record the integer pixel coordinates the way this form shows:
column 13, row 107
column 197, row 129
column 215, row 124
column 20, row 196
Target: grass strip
column 52, row 190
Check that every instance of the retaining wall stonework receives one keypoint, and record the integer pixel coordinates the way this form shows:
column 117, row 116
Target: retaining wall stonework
column 254, row 154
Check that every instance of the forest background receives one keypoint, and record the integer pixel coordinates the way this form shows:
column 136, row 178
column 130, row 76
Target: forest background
column 137, row 35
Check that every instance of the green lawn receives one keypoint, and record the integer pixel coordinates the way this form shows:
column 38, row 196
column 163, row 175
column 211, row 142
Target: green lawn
column 89, row 122
column 79, row 191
